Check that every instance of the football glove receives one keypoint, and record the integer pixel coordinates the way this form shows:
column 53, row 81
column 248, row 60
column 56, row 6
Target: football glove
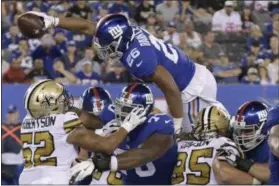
column 136, row 117
column 49, row 21
column 81, row 172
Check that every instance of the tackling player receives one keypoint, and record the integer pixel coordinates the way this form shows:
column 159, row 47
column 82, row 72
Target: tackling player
column 273, row 142
column 250, row 134
column 199, row 152
column 187, row 86
column 50, row 133
column 97, row 101
column 142, row 157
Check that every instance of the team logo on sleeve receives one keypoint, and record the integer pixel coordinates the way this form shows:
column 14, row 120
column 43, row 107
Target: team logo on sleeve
column 115, row 31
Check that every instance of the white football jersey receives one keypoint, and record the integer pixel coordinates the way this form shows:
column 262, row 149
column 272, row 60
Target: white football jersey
column 107, row 178
column 47, row 154
column 195, row 160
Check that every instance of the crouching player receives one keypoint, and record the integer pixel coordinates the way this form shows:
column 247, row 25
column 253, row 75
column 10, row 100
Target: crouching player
column 97, row 101
column 149, row 154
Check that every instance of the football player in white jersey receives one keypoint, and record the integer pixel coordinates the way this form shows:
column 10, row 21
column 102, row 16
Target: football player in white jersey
column 200, row 151
column 51, row 132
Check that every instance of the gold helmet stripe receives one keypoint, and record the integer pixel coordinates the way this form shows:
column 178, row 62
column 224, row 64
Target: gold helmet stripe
column 202, row 118
column 29, row 92
column 206, row 116
column 209, row 117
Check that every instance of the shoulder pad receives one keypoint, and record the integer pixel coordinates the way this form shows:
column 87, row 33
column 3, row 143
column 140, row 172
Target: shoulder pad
column 228, row 144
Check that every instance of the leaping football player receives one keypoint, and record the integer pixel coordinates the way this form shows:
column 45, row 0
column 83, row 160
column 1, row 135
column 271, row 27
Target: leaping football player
column 187, row 86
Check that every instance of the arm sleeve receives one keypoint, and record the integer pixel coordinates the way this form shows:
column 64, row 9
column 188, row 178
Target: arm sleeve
column 71, row 121
column 163, row 124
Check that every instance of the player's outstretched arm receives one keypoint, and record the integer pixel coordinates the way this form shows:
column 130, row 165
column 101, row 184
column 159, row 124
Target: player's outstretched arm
column 162, row 78
column 227, row 174
column 150, row 151
column 137, row 157
column 78, row 25
column 273, row 140
column 74, row 24
column 92, row 142
column 90, row 121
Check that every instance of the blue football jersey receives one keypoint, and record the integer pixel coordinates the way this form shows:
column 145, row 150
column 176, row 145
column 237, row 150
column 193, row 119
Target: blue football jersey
column 145, row 52
column 273, row 120
column 260, row 154
column 157, row 172
column 107, row 114
column 274, row 169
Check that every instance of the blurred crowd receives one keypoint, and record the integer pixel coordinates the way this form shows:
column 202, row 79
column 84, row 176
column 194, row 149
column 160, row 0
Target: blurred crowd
column 236, row 40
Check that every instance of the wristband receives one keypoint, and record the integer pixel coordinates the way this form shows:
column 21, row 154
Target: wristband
column 127, row 127
column 55, row 21
column 113, row 163
column 177, row 123
column 244, row 165
column 256, row 182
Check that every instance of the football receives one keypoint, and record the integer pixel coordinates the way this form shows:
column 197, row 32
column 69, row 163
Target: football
column 31, row 25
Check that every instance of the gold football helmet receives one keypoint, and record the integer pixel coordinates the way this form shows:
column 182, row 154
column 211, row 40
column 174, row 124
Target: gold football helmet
column 47, row 97
column 211, row 122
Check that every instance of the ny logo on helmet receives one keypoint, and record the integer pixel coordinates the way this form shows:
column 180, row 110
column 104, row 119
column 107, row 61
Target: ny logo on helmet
column 262, row 115
column 115, row 31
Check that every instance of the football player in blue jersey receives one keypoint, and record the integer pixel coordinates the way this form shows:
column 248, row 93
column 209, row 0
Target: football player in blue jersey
column 97, row 101
column 273, row 142
column 250, row 134
column 96, row 141
column 149, row 153
column 187, row 86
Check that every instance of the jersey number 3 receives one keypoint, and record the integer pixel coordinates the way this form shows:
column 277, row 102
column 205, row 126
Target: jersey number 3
column 202, row 168
column 45, row 148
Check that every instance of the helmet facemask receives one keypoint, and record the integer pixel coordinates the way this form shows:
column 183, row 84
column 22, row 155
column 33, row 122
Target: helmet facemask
column 109, row 53
column 123, row 108
column 247, row 137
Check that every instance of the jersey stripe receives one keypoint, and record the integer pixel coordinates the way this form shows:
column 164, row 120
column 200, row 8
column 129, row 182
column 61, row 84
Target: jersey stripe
column 71, row 125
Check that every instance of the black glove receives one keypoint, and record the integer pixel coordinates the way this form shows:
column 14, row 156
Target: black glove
column 244, row 164
column 102, row 162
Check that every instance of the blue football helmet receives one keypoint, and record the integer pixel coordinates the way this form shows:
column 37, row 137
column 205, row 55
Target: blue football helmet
column 112, row 37
column 136, row 95
column 249, row 125
column 94, row 99
column 273, row 117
